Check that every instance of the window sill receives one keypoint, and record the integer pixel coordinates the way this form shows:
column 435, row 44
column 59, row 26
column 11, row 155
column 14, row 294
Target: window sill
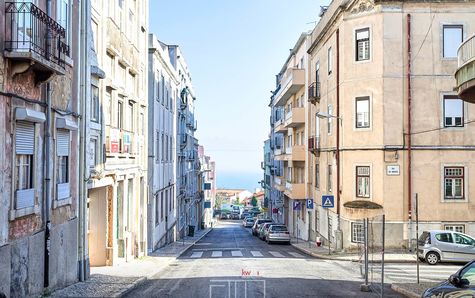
column 17, row 213
column 62, row 202
column 464, row 200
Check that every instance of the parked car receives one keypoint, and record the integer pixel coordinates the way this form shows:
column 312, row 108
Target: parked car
column 263, row 230
column 257, row 225
column 277, row 233
column 235, row 215
column 225, row 215
column 460, row 284
column 244, row 214
column 248, row 222
column 445, row 246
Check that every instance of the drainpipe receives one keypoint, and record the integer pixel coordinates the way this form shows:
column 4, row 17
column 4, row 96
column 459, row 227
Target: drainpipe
column 337, row 157
column 47, row 173
column 409, row 136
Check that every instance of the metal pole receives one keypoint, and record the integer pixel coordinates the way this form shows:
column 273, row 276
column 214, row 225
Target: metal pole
column 417, row 237
column 366, row 251
column 328, row 228
column 382, row 256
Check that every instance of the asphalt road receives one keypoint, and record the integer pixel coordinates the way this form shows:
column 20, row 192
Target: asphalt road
column 230, row 262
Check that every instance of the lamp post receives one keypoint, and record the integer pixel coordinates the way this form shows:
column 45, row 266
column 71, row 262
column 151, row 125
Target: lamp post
column 339, row 233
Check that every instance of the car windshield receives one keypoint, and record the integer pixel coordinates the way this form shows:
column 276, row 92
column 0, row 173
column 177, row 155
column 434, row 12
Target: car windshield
column 461, row 239
column 279, row 228
column 469, row 274
column 250, row 220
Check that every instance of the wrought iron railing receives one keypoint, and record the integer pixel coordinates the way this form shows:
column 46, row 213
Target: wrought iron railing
column 314, row 92
column 29, row 29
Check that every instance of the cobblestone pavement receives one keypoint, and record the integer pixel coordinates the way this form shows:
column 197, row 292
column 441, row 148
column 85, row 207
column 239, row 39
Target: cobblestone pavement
column 116, row 281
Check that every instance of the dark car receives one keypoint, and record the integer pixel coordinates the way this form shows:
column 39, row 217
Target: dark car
column 460, row 284
column 257, row 225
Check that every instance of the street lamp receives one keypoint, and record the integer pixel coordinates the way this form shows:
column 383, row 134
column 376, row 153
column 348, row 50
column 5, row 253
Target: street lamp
column 323, row 115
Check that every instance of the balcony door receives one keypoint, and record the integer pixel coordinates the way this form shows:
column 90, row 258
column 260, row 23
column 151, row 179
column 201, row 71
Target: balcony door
column 22, row 25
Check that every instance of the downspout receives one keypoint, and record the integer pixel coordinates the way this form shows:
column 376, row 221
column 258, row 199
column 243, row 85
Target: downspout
column 47, row 186
column 409, row 136
column 337, row 155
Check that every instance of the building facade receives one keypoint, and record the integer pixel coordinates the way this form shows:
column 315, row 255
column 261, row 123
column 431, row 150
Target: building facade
column 208, row 176
column 386, row 125
column 163, row 93
column 39, row 145
column 117, row 188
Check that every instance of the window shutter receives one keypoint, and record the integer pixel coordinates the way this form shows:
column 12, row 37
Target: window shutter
column 62, row 142
column 25, row 138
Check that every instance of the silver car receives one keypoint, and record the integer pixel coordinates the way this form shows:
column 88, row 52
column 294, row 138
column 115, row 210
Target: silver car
column 278, row 233
column 445, row 246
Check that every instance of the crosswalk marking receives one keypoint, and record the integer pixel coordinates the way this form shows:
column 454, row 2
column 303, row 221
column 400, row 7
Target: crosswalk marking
column 276, row 254
column 295, row 254
column 217, row 254
column 256, row 253
column 236, row 253
column 197, row 254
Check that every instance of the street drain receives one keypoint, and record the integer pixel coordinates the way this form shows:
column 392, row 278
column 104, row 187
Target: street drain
column 174, row 265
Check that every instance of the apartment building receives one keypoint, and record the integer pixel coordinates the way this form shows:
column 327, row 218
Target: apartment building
column 39, row 142
column 289, row 114
column 117, row 187
column 163, row 93
column 268, row 168
column 187, row 161
column 386, row 125
column 208, row 176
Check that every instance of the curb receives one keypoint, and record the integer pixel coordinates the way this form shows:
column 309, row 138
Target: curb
column 405, row 292
column 335, row 257
column 140, row 281
column 191, row 244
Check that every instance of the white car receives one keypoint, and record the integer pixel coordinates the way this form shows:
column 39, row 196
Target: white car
column 445, row 246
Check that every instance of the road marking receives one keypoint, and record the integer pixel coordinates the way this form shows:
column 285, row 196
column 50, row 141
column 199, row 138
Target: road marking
column 256, row 253
column 196, row 254
column 276, row 254
column 295, row 254
column 236, row 253
column 217, row 254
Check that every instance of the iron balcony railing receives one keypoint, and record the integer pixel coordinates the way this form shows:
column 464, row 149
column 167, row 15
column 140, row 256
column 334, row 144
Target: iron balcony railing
column 29, row 29
column 314, row 92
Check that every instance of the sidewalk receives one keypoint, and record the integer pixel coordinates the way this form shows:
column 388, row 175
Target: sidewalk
column 118, row 280
column 321, row 252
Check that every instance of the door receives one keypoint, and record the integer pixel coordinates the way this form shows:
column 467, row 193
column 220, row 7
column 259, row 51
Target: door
column 464, row 247
column 445, row 244
column 97, row 226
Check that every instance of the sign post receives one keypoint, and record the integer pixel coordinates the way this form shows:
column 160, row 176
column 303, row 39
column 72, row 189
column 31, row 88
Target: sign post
column 328, row 202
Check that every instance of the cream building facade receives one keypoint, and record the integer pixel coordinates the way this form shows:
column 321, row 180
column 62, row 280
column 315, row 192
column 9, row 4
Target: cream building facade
column 391, row 127
column 117, row 189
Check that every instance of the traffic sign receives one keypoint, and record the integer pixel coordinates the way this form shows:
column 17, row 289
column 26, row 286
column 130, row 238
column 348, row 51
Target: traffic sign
column 328, row 201
column 297, row 205
column 309, row 203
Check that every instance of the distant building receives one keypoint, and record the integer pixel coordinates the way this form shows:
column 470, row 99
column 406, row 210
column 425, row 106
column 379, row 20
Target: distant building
column 208, row 174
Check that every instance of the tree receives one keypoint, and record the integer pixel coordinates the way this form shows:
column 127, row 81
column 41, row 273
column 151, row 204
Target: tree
column 254, row 201
column 237, row 200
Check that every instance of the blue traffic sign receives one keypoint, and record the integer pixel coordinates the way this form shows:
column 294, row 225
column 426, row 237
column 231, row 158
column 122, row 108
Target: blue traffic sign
column 297, row 205
column 328, row 201
column 309, row 203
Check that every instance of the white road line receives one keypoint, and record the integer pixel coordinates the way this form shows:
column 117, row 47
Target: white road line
column 196, row 254
column 295, row 254
column 217, row 254
column 256, row 253
column 276, row 254
column 236, row 253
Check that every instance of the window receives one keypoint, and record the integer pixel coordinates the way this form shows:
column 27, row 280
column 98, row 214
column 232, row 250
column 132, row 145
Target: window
column 452, row 38
column 317, row 176
column 329, row 180
column 317, row 127
column 453, row 183
column 289, row 175
column 25, row 150
column 329, row 119
column 63, row 17
column 62, row 168
column 107, row 108
column 362, row 182
column 169, row 196
column 111, row 65
column 162, row 91
column 120, row 112
column 362, row 44
column 157, row 210
column 444, row 237
column 93, row 153
column 94, row 104
column 453, row 111
column 157, row 149
column 455, row 228
column 464, row 240
column 131, row 116
column 330, row 61
column 362, row 112
column 166, row 149
column 317, row 72
column 289, row 141
column 357, row 232
column 163, row 146
column 161, row 206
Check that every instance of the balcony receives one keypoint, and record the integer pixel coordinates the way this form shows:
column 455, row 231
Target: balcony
column 295, row 191
column 295, row 118
column 314, row 145
column 314, row 92
column 278, row 183
column 465, row 74
column 279, row 126
column 279, row 154
column 33, row 39
column 292, row 81
column 298, row 153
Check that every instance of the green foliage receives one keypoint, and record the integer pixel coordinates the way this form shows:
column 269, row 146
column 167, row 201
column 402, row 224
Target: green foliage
column 254, row 201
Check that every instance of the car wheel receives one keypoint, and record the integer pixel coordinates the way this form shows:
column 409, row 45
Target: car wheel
column 432, row 258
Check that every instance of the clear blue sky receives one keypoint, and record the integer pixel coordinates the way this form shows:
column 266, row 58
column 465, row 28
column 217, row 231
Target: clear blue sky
column 234, row 49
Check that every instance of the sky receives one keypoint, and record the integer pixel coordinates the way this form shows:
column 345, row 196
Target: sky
column 233, row 49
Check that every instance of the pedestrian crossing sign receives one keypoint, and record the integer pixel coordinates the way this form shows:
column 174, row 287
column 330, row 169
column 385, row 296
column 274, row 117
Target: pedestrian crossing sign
column 328, row 201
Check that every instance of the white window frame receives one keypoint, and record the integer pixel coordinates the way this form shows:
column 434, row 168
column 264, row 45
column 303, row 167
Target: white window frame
column 363, row 196
column 330, row 60
column 63, row 190
column 329, row 119
column 451, row 96
column 459, row 228
column 64, row 20
column 355, row 34
column 442, row 37
column 357, row 232
column 370, row 118
column 464, row 186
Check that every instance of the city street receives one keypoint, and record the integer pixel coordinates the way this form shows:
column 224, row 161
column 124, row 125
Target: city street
column 230, row 262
